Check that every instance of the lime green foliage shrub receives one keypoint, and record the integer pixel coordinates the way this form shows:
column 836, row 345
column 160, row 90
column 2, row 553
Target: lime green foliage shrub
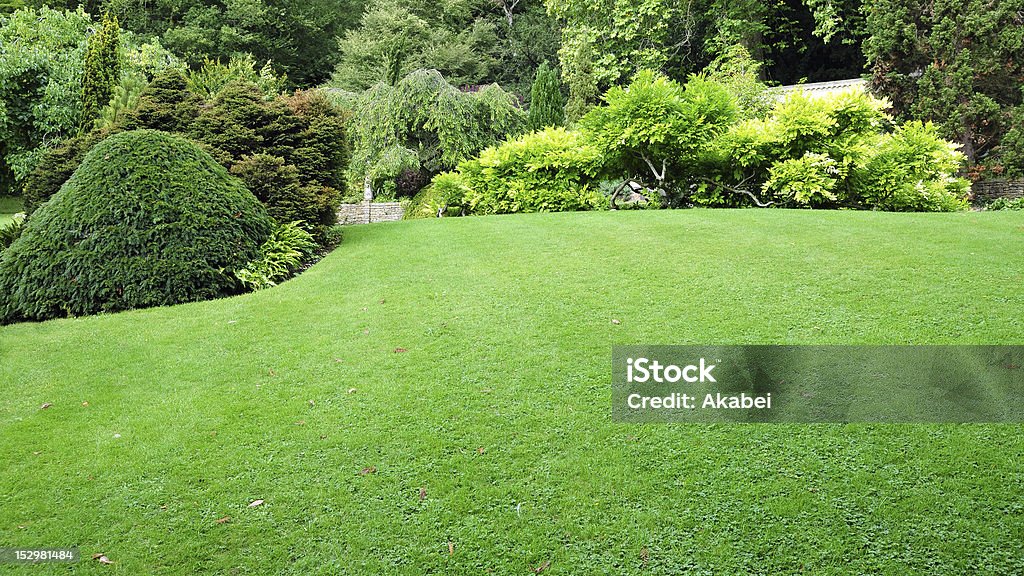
column 684, row 145
column 444, row 195
column 148, row 219
column 653, row 129
column 810, row 180
column 836, row 126
column 832, row 152
column 912, row 169
column 552, row 170
column 287, row 248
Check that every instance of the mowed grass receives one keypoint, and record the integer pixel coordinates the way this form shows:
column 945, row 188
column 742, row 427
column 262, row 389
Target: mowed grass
column 434, row 397
column 9, row 206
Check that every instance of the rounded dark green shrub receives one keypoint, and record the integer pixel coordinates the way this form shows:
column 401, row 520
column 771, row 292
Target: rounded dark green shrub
column 56, row 166
column 148, row 219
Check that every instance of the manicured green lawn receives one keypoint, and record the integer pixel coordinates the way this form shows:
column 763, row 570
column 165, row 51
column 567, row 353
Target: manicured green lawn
column 434, row 397
column 8, row 208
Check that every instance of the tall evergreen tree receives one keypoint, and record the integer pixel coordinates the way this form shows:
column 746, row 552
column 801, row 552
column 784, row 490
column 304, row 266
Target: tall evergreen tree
column 102, row 69
column 547, row 106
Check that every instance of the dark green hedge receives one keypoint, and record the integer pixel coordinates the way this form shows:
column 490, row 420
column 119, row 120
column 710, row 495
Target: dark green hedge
column 148, row 219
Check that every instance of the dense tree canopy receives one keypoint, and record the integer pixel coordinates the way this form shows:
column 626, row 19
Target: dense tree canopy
column 956, row 63
column 394, row 38
column 298, row 36
column 471, row 42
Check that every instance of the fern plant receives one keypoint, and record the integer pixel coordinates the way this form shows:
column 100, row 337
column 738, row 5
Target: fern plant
column 280, row 256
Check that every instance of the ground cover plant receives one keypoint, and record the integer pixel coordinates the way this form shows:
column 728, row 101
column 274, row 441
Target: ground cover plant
column 446, row 410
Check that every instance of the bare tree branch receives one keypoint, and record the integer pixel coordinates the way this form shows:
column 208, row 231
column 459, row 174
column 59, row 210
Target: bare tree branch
column 507, row 6
column 739, row 190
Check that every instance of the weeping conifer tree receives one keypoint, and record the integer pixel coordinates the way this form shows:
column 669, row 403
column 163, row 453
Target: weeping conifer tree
column 422, row 126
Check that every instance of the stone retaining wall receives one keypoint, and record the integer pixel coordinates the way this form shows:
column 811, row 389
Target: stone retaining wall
column 989, row 190
column 369, row 212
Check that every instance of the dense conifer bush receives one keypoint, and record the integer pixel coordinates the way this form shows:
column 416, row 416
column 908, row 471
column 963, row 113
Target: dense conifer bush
column 301, row 139
column 148, row 219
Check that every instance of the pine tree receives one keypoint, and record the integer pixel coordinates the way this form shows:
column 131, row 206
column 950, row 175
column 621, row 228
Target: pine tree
column 102, row 69
column 547, row 106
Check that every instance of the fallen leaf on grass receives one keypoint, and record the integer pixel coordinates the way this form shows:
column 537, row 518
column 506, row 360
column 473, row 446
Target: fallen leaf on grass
column 45, row 405
column 480, row 450
column 366, row 331
column 37, row 453
column 382, row 300
column 85, row 403
column 311, row 403
column 451, row 548
column 272, row 373
column 102, row 559
column 338, row 360
column 644, row 555
column 223, row 520
column 368, row 470
column 400, row 350
column 117, row 435
column 351, row 390
column 542, row 567
column 301, row 423
column 616, row 322
column 255, row 503
column 423, row 493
